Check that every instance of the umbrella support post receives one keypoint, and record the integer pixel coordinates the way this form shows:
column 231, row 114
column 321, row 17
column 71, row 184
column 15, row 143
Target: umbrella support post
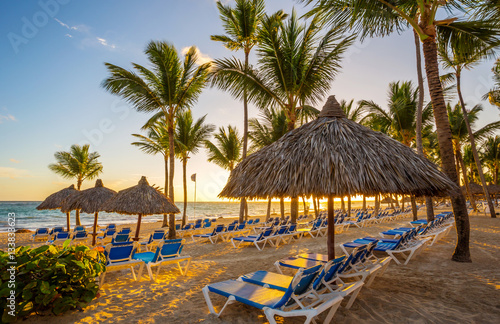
column 95, row 228
column 68, row 222
column 138, row 229
column 331, row 230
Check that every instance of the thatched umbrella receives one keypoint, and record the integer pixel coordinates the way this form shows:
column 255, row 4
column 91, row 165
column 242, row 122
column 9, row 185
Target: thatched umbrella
column 334, row 156
column 474, row 188
column 493, row 189
column 142, row 200
column 89, row 201
column 56, row 200
column 405, row 199
column 388, row 200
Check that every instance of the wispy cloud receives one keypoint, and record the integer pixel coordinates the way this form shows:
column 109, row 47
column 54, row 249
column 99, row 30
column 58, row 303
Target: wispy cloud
column 66, row 25
column 69, row 35
column 14, row 161
column 14, row 173
column 7, row 117
column 202, row 58
column 104, row 42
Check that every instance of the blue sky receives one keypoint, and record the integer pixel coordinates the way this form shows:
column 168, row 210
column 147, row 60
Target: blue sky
column 51, row 66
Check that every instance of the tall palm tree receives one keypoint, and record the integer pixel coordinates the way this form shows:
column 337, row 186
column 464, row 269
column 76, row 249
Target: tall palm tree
column 491, row 155
column 190, row 135
column 262, row 133
column 172, row 84
column 78, row 163
column 156, row 141
column 453, row 57
column 227, row 151
column 380, row 18
column 494, row 94
column 241, row 25
column 296, row 66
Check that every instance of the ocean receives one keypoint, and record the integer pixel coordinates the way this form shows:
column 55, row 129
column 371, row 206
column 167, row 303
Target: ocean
column 28, row 217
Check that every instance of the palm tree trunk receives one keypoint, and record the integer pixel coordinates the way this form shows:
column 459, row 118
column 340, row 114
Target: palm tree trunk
column 330, row 240
column 268, row 214
column 342, row 204
column 402, row 202
column 184, row 185
column 294, row 209
column 94, row 229
column 348, row 206
column 414, row 207
column 466, row 179
column 420, row 106
column 282, row 207
column 462, row 251
column 306, row 210
column 376, row 207
column 171, row 148
column 77, row 212
column 165, row 189
column 315, row 207
column 245, row 138
column 474, row 150
column 364, row 203
column 68, row 222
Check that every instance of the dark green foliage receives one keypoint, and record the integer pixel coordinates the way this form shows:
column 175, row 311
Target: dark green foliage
column 49, row 278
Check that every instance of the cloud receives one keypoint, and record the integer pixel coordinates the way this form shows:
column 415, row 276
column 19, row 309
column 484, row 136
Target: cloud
column 202, row 58
column 69, row 35
column 7, row 117
column 65, row 25
column 15, row 161
column 14, row 173
column 104, row 42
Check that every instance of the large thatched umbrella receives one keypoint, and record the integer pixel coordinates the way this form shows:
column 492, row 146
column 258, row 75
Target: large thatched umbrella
column 142, row 200
column 334, row 156
column 56, row 200
column 89, row 201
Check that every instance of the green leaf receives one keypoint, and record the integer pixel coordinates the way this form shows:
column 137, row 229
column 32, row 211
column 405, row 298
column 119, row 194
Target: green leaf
column 45, row 287
column 79, row 263
column 66, row 244
column 27, row 294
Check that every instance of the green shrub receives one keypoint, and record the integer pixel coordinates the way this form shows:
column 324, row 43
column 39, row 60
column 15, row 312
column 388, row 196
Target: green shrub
column 48, row 278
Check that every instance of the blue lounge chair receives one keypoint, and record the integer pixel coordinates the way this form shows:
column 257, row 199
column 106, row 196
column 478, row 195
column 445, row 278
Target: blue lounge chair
column 274, row 301
column 80, row 236
column 59, row 238
column 157, row 237
column 56, row 230
column 120, row 256
column 166, row 253
column 109, row 227
column 213, row 236
column 291, row 234
column 79, row 228
column 107, row 236
column 253, row 239
column 40, row 234
column 120, row 238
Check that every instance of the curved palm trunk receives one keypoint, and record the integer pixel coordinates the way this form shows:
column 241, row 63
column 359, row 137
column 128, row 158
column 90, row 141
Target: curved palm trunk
column 420, row 106
column 243, row 206
column 460, row 161
column 473, row 148
column 462, row 251
column 171, row 217
column 282, row 207
column 165, row 216
column 268, row 214
column 184, row 185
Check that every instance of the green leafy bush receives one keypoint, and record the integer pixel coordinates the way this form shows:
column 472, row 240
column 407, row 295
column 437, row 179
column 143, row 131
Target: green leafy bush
column 48, row 278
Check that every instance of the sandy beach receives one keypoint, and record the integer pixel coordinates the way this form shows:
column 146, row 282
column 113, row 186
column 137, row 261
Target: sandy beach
column 430, row 289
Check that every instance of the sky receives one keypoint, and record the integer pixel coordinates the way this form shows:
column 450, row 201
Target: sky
column 52, row 55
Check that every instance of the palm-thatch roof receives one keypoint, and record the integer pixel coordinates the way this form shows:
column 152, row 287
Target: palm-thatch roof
column 493, row 189
column 475, row 189
column 90, row 200
column 333, row 155
column 55, row 201
column 405, row 199
column 388, row 200
column 140, row 199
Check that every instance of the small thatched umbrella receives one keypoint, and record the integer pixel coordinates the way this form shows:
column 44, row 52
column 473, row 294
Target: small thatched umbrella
column 56, row 200
column 388, row 200
column 89, row 201
column 141, row 200
column 474, row 188
column 493, row 189
column 334, row 156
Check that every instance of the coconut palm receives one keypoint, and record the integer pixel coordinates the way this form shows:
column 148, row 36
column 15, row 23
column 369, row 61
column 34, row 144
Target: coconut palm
column 353, row 113
column 491, row 156
column 171, row 85
column 453, row 57
column 241, row 25
column 226, row 153
column 296, row 66
column 78, row 163
column 494, row 94
column 156, row 141
column 372, row 18
column 190, row 136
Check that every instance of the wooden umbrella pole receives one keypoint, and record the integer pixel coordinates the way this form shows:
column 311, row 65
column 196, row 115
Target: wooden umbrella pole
column 331, row 230
column 138, row 229
column 94, row 234
column 68, row 222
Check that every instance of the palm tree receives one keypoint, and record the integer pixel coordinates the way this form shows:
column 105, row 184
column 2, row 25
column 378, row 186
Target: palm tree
column 295, row 67
column 381, row 18
column 172, row 84
column 354, row 114
column 453, row 57
column 154, row 142
column 494, row 94
column 226, row 153
column 78, row 163
column 241, row 25
column 491, row 155
column 189, row 137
